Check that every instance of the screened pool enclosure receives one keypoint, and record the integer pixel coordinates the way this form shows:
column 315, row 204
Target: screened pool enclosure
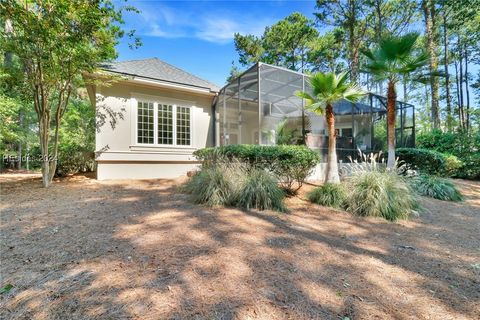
column 260, row 107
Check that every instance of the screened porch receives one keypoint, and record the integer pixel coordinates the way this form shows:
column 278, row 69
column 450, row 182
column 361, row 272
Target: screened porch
column 260, row 107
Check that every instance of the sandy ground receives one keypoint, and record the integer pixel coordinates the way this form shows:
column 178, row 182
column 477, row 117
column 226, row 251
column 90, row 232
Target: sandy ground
column 85, row 249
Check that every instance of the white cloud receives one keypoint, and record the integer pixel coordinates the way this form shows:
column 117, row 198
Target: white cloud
column 219, row 27
column 222, row 30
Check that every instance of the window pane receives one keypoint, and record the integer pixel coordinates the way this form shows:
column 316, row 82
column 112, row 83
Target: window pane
column 145, row 122
column 183, row 126
column 165, row 122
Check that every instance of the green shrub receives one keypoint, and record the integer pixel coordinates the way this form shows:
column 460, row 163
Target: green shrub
column 73, row 159
column 260, row 191
column 435, row 187
column 214, row 185
column 470, row 168
column 452, row 164
column 289, row 164
column 380, row 194
column 464, row 146
column 423, row 160
column 329, row 195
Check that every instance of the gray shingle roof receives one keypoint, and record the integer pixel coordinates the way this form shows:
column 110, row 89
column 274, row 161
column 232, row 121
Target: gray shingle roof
column 154, row 68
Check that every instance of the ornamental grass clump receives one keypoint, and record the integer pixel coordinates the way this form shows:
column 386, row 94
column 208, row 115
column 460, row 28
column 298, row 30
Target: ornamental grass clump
column 436, row 187
column 329, row 195
column 380, row 194
column 215, row 185
column 259, row 190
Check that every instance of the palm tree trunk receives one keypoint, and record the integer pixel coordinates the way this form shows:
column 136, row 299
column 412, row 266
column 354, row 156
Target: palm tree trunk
column 332, row 165
column 391, row 100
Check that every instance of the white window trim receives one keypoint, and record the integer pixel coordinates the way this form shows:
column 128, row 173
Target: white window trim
column 156, row 101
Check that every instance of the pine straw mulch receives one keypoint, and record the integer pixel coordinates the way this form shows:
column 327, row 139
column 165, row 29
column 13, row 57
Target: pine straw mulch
column 85, row 249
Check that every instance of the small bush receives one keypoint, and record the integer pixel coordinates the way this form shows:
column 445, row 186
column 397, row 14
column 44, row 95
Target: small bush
column 214, row 185
column 380, row 194
column 452, row 165
column 423, row 160
column 465, row 146
column 436, row 187
column 289, row 164
column 329, row 195
column 470, row 168
column 260, row 191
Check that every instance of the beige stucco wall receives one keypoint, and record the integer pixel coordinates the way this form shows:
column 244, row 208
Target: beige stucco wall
column 118, row 154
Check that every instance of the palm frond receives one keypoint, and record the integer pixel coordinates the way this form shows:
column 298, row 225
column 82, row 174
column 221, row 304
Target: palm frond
column 394, row 56
column 329, row 88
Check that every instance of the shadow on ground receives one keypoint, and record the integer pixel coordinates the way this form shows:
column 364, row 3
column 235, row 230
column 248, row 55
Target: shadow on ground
column 139, row 250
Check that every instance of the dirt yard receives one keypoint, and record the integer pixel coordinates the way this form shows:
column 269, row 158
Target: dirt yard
column 85, row 249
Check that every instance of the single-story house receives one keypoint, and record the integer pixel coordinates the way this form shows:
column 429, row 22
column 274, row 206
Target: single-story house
column 150, row 120
column 153, row 117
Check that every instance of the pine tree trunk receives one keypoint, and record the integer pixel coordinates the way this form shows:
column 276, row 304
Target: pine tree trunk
column 461, row 106
column 430, row 30
column 467, row 91
column 457, row 85
column 332, row 163
column 391, row 100
column 447, row 75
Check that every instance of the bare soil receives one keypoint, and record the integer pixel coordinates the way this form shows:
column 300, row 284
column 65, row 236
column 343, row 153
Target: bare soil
column 85, row 249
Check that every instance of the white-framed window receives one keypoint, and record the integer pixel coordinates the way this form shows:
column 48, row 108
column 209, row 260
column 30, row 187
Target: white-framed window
column 163, row 124
column 145, row 123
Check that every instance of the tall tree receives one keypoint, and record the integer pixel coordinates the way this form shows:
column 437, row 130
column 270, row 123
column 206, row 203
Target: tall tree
column 393, row 58
column 350, row 15
column 329, row 88
column 327, row 51
column 56, row 41
column 431, row 32
column 285, row 43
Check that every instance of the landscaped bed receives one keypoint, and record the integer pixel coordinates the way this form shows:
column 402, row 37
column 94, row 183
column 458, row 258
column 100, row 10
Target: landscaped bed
column 140, row 250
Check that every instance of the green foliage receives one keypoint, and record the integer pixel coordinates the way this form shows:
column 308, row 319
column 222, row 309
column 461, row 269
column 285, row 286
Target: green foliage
column 470, row 168
column 435, row 187
column 235, row 184
column 459, row 144
column 329, row 88
column 423, row 160
column 380, row 194
column 466, row 147
column 56, row 42
column 288, row 164
column 77, row 139
column 214, row 186
column 452, row 164
column 6, row 288
column 394, row 57
column 329, row 195
column 284, row 43
column 260, row 191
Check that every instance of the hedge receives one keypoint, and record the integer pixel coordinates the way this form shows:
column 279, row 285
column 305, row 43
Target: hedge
column 423, row 160
column 288, row 163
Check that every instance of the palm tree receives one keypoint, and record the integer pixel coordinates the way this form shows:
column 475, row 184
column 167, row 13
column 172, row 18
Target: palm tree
column 393, row 58
column 329, row 88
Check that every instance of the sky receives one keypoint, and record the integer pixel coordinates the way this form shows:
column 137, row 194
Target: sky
column 197, row 36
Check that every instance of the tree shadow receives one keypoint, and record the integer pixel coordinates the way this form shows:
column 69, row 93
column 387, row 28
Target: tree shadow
column 139, row 249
